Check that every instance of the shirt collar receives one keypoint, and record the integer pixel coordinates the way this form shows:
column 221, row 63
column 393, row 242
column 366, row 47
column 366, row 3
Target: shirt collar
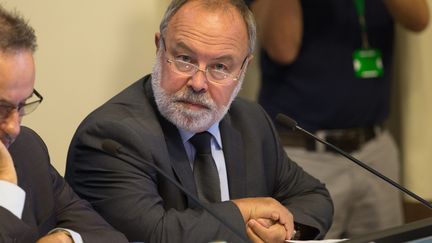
column 213, row 130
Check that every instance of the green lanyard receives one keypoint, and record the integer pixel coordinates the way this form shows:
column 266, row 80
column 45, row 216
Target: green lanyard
column 360, row 9
column 367, row 62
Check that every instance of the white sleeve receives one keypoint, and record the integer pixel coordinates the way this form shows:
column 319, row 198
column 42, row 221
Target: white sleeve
column 76, row 237
column 13, row 198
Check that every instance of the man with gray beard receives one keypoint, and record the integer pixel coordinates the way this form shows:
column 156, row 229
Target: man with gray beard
column 185, row 119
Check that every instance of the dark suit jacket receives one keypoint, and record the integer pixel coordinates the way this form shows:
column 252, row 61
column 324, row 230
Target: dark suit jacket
column 147, row 207
column 50, row 202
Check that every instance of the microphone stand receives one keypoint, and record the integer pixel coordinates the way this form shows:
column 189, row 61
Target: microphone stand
column 285, row 120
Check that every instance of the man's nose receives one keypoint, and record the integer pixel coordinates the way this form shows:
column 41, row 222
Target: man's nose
column 198, row 81
column 11, row 125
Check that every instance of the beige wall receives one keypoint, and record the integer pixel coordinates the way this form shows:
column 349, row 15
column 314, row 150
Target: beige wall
column 88, row 51
column 251, row 84
column 414, row 79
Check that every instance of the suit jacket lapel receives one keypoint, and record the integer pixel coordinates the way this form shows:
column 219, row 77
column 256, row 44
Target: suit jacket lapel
column 28, row 215
column 234, row 159
column 177, row 154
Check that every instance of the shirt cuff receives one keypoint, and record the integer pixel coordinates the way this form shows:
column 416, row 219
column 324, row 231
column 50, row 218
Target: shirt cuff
column 14, row 201
column 76, row 237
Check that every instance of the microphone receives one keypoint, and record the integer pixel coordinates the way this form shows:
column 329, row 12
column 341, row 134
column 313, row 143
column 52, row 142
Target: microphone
column 115, row 149
column 291, row 124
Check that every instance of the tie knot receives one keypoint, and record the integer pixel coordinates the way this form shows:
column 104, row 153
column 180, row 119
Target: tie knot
column 201, row 142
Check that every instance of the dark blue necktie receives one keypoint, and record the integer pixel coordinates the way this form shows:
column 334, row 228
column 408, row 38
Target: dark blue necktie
column 204, row 169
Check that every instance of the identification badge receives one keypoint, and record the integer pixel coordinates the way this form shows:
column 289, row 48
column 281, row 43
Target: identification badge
column 368, row 63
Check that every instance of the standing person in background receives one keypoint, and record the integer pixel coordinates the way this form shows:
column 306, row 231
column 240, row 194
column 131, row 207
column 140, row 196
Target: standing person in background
column 36, row 203
column 328, row 65
column 203, row 50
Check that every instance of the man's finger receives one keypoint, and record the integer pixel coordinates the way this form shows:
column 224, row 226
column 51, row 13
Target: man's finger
column 275, row 233
column 251, row 234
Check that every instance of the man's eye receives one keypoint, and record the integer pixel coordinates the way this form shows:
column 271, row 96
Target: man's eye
column 220, row 67
column 183, row 58
column 6, row 105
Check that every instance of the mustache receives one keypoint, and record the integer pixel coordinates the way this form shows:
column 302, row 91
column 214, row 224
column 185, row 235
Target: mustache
column 189, row 95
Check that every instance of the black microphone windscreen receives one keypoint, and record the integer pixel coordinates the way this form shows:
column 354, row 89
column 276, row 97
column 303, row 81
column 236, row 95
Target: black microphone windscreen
column 286, row 121
column 111, row 146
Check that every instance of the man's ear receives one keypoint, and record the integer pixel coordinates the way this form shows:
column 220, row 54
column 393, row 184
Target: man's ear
column 249, row 59
column 157, row 40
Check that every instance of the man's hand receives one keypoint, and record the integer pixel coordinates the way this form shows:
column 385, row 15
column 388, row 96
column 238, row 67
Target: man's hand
column 259, row 233
column 266, row 210
column 7, row 168
column 57, row 237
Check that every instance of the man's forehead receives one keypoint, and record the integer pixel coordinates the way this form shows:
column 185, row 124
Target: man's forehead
column 16, row 72
column 207, row 14
column 208, row 26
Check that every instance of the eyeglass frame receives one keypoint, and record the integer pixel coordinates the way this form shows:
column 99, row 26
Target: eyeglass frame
column 206, row 70
column 20, row 108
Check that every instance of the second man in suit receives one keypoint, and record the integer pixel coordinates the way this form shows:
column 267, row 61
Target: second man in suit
column 36, row 203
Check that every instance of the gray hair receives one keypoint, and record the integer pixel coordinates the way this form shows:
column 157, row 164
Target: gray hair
column 242, row 8
column 15, row 33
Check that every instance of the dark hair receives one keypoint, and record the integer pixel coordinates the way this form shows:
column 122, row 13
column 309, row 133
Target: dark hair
column 15, row 33
column 240, row 5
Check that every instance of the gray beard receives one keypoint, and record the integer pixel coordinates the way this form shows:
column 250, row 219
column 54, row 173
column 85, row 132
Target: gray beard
column 171, row 106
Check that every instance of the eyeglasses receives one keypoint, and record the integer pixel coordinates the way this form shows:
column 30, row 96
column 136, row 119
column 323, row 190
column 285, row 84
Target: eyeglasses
column 214, row 73
column 23, row 109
